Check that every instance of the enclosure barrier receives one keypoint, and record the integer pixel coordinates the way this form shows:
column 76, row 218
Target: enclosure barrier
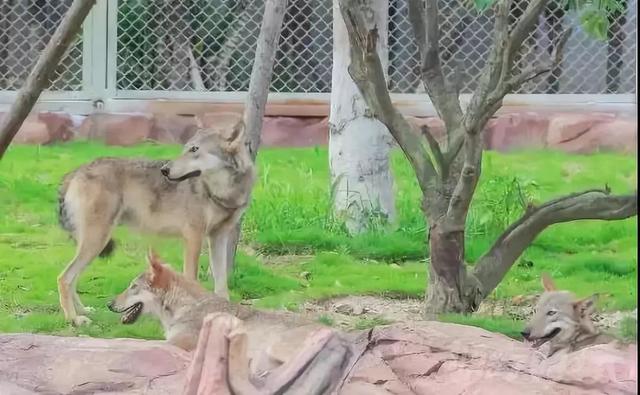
column 133, row 52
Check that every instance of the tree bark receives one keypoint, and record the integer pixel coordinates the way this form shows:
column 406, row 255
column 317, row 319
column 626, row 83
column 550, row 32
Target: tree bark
column 256, row 101
column 594, row 204
column 40, row 76
column 359, row 144
column 449, row 288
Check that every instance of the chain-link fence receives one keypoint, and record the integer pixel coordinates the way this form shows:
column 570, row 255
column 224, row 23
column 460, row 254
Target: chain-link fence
column 25, row 29
column 209, row 45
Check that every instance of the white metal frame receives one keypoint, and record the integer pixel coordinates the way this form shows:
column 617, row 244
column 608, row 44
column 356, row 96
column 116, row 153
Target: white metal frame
column 99, row 91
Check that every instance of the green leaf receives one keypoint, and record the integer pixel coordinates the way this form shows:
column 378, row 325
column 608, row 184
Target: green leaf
column 595, row 23
column 482, row 4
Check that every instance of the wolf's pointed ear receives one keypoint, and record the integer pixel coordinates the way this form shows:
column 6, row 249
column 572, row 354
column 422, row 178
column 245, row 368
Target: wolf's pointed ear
column 159, row 273
column 236, row 136
column 585, row 307
column 547, row 283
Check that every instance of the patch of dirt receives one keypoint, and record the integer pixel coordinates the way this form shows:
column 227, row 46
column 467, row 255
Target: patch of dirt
column 347, row 312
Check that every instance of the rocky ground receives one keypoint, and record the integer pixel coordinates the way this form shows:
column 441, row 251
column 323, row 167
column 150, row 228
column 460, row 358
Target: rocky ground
column 347, row 312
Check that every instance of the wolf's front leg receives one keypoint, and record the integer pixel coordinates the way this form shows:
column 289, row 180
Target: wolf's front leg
column 192, row 247
column 218, row 257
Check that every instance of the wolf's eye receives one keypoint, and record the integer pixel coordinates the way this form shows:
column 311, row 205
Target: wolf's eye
column 193, row 149
column 551, row 312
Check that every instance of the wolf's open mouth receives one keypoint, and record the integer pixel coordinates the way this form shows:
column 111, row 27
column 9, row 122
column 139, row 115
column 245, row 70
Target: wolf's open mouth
column 539, row 342
column 131, row 314
column 194, row 173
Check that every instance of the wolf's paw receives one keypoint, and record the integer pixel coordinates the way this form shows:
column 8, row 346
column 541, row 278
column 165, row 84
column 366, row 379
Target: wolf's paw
column 81, row 320
column 85, row 310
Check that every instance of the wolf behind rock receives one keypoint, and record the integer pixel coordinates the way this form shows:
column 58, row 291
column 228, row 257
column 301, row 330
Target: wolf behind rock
column 563, row 321
column 181, row 305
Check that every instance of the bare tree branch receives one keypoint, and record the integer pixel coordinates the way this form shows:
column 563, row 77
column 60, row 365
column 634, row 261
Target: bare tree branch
column 536, row 71
column 438, row 157
column 426, row 29
column 592, row 204
column 495, row 83
column 493, row 71
column 367, row 73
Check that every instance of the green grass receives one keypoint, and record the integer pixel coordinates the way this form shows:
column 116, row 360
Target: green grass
column 290, row 214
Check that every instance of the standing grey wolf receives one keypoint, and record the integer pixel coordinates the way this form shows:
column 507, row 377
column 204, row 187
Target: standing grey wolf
column 563, row 321
column 181, row 304
column 202, row 193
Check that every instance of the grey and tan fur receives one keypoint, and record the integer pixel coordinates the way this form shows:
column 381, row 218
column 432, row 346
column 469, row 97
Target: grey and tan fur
column 181, row 305
column 200, row 195
column 563, row 321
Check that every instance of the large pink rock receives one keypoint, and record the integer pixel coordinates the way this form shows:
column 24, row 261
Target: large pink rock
column 570, row 126
column 172, row 129
column 519, row 130
column 32, row 364
column 419, row 358
column 60, row 125
column 617, row 135
column 117, row 129
column 438, row 358
column 44, row 128
column 32, row 131
column 294, row 132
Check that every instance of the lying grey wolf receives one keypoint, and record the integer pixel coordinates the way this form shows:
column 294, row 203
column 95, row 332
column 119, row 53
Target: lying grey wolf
column 200, row 194
column 181, row 304
column 562, row 321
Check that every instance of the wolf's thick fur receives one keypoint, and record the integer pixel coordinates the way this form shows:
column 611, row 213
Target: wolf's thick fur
column 562, row 321
column 181, row 305
column 200, row 194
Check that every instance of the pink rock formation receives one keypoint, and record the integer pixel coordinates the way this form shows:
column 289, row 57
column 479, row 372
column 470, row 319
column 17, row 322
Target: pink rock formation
column 419, row 358
column 45, row 128
column 32, row 364
column 572, row 132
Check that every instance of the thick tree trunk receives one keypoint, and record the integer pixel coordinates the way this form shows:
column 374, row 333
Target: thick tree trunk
column 359, row 144
column 39, row 78
column 258, row 92
column 450, row 288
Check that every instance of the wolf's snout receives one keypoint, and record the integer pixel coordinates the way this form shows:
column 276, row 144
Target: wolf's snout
column 526, row 333
column 164, row 170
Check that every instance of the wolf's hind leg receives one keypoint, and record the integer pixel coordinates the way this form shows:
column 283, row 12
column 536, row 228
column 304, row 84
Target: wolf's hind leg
column 87, row 250
column 81, row 309
column 91, row 241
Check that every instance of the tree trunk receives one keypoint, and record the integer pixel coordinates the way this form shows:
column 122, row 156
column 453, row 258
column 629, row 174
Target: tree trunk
column 258, row 92
column 359, row 144
column 450, row 288
column 39, row 78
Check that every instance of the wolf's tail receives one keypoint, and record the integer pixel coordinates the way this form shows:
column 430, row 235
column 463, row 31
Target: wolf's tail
column 66, row 221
